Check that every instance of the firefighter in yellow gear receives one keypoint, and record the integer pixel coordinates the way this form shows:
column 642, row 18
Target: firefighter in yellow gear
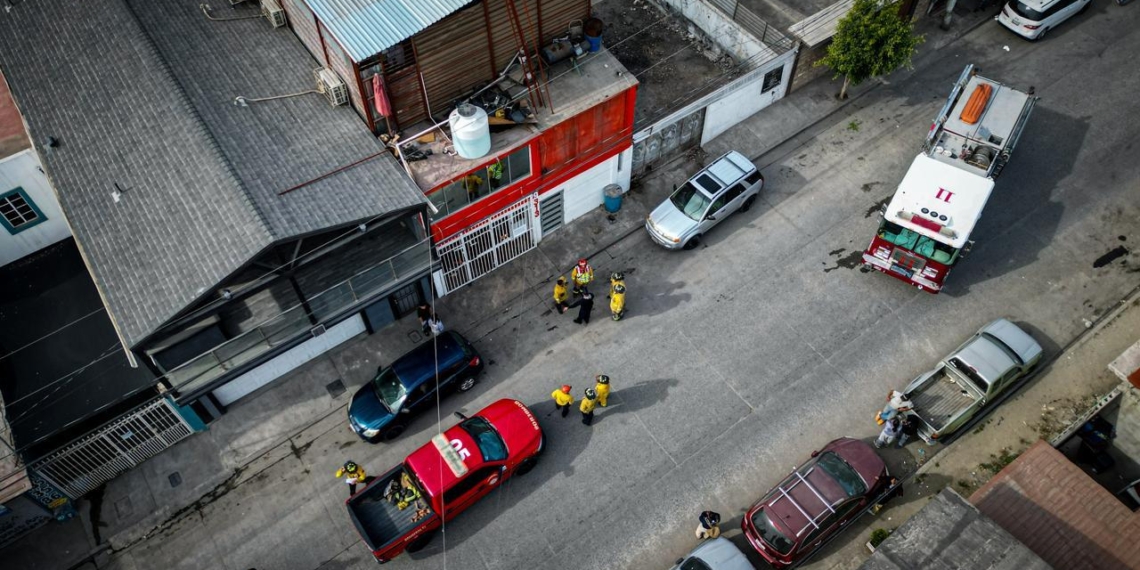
column 582, row 275
column 617, row 302
column 602, row 388
column 561, row 295
column 563, row 399
column 495, row 174
column 353, row 474
column 587, row 406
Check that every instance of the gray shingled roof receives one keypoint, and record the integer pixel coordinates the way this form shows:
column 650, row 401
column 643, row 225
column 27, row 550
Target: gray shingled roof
column 140, row 93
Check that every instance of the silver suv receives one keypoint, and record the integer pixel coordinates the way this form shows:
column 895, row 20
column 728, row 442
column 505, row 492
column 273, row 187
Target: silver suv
column 729, row 184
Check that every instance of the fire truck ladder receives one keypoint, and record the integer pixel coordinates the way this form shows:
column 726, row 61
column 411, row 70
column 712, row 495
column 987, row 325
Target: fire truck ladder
column 811, row 521
column 534, row 92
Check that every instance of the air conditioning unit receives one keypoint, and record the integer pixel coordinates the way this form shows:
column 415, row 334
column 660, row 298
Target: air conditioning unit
column 272, row 11
column 329, row 83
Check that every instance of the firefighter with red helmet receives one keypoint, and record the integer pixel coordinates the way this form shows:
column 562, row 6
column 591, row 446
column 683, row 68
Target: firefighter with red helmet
column 582, row 275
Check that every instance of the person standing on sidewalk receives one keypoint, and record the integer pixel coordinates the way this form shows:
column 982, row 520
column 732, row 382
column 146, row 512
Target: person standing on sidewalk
column 423, row 313
column 709, row 526
column 582, row 275
column 563, row 399
column 585, row 304
column 602, row 387
column 587, row 406
column 908, row 428
column 435, row 325
column 353, row 474
column 889, row 433
column 560, row 295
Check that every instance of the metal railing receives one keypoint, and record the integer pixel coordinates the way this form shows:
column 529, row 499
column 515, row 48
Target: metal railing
column 748, row 20
column 99, row 456
column 294, row 321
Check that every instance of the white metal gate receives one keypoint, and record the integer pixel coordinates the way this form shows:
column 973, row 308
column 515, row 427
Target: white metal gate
column 488, row 244
column 99, row 456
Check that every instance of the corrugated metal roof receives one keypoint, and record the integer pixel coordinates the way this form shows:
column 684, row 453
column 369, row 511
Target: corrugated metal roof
column 367, row 27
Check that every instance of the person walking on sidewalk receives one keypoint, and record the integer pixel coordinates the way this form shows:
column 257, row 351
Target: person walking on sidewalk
column 560, row 295
column 582, row 275
column 563, row 399
column 353, row 474
column 908, row 428
column 423, row 313
column 585, row 304
column 602, row 387
column 587, row 406
column 435, row 325
column 889, row 433
column 709, row 526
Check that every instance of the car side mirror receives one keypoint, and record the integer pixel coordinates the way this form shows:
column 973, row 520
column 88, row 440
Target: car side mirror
column 674, row 187
column 379, row 369
column 679, row 561
column 710, row 218
column 815, row 453
column 460, row 415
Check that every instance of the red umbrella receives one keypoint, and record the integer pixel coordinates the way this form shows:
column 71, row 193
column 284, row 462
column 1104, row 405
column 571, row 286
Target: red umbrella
column 379, row 98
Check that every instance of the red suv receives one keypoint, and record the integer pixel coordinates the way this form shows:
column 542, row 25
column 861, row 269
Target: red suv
column 816, row 501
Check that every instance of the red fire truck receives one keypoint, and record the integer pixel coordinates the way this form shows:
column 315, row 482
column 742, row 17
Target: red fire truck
column 926, row 226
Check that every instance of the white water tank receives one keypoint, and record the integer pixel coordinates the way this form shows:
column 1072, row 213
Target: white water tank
column 470, row 131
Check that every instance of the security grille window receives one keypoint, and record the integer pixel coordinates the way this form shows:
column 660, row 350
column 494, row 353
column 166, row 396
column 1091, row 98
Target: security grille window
column 18, row 212
column 481, row 183
column 772, row 79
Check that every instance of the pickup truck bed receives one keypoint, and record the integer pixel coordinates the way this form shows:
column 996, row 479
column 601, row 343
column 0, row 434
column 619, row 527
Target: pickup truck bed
column 940, row 399
column 379, row 520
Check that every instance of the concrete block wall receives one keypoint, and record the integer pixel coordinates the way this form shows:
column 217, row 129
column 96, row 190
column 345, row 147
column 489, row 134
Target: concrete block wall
column 806, row 69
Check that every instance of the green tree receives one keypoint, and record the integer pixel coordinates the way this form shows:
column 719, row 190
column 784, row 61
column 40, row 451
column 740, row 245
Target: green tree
column 871, row 40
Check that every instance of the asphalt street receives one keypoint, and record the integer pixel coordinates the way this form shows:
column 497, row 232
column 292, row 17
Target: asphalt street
column 742, row 356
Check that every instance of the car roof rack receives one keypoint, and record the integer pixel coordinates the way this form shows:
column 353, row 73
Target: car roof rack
column 785, row 493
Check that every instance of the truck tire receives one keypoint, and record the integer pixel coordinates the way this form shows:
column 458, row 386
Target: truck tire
column 748, row 203
column 393, row 432
column 526, row 466
column 420, row 543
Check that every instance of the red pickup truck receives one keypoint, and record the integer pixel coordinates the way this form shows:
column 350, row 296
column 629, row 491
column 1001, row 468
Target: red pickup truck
column 402, row 509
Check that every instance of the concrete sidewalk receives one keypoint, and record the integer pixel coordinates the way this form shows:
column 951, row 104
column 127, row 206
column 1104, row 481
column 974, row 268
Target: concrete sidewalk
column 298, row 416
column 1054, row 399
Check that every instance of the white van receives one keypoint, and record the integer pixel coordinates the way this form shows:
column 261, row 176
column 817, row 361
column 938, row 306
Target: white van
column 1030, row 19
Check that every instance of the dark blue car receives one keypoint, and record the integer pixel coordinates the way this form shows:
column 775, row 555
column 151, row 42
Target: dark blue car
column 382, row 408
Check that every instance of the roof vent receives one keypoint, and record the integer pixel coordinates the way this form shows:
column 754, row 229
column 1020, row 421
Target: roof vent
column 272, row 11
column 329, row 83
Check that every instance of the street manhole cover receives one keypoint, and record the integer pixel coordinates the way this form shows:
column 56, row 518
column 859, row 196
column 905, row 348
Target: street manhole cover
column 415, row 336
column 175, row 479
column 335, row 388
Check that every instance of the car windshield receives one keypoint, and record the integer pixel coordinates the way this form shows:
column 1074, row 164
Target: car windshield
column 691, row 201
column 389, row 390
column 843, row 474
column 1026, row 12
column 917, row 243
column 768, row 532
column 491, row 446
column 694, row 563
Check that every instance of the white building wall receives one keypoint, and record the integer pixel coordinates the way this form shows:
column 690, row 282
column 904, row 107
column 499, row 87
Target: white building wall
column 584, row 192
column 287, row 361
column 23, row 170
column 747, row 99
column 718, row 26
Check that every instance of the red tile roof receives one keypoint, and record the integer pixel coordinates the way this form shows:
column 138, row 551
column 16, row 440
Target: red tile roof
column 13, row 137
column 1060, row 513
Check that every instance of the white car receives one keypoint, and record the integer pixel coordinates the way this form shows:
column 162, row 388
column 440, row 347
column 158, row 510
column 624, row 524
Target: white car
column 715, row 554
column 1031, row 19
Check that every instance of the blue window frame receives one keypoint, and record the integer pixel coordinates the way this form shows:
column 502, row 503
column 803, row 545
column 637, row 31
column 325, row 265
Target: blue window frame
column 18, row 212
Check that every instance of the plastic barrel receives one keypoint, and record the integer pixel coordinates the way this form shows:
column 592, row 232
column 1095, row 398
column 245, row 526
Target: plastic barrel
column 595, row 42
column 612, row 197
